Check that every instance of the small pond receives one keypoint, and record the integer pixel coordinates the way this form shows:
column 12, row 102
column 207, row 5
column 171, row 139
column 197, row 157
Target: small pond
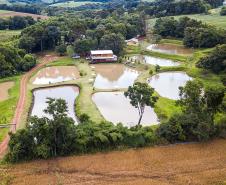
column 68, row 93
column 4, row 90
column 167, row 84
column 155, row 61
column 170, row 49
column 56, row 74
column 115, row 107
column 110, row 76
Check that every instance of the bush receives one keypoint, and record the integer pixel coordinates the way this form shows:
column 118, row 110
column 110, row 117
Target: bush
column 223, row 11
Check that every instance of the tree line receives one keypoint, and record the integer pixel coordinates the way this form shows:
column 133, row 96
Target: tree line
column 82, row 34
column 194, row 33
column 16, row 22
column 161, row 8
column 35, row 9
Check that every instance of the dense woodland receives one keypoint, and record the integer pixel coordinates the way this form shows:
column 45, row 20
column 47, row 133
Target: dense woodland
column 16, row 23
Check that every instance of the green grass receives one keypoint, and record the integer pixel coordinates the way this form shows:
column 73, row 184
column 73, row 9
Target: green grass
column 213, row 18
column 171, row 41
column 4, row 11
column 7, row 107
column 6, row 35
column 73, row 3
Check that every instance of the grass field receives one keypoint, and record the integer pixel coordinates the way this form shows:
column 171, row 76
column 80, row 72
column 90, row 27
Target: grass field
column 6, row 35
column 73, row 3
column 8, row 106
column 213, row 18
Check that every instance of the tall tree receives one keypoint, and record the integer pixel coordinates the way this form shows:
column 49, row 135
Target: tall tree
column 141, row 95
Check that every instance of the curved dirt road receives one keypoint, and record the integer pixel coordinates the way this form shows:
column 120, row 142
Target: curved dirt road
column 22, row 99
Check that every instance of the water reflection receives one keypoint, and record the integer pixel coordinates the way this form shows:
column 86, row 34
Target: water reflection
column 57, row 74
column 115, row 107
column 167, row 84
column 68, row 93
column 170, row 49
column 155, row 61
column 110, row 76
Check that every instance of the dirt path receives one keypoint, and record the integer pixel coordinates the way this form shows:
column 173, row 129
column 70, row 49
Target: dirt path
column 22, row 99
column 184, row 164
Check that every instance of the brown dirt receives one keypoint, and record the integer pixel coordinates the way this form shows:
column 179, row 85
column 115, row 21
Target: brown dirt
column 4, row 89
column 34, row 16
column 184, row 164
column 22, row 99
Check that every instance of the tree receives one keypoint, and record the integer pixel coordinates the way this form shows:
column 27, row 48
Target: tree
column 83, row 46
column 27, row 43
column 113, row 41
column 215, row 61
column 141, row 95
column 223, row 11
column 61, row 49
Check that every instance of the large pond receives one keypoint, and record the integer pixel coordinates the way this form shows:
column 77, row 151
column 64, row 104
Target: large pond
column 155, row 61
column 115, row 107
column 167, row 84
column 56, row 74
column 170, row 49
column 68, row 93
column 111, row 76
column 4, row 90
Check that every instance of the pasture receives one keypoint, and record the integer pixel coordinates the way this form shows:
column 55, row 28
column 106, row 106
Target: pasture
column 73, row 4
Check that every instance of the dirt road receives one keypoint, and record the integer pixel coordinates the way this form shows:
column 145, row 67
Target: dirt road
column 184, row 164
column 22, row 99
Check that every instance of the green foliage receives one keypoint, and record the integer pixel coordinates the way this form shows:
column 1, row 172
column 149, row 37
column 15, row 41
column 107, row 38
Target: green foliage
column 223, row 11
column 215, row 61
column 141, row 95
column 45, row 137
column 14, row 60
column 61, row 49
column 196, row 122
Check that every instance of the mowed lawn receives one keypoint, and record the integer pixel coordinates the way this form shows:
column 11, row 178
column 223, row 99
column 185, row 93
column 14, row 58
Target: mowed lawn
column 73, row 3
column 212, row 19
column 6, row 35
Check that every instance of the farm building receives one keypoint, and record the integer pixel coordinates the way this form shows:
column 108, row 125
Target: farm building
column 102, row 56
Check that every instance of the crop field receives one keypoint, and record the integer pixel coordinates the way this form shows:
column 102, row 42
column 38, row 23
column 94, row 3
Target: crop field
column 213, row 18
column 199, row 163
column 4, row 13
column 73, row 3
column 8, row 34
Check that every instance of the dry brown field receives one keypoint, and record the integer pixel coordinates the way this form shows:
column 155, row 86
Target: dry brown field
column 182, row 164
column 34, row 16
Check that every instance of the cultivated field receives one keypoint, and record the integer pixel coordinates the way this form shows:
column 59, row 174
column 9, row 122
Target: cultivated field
column 213, row 18
column 4, row 13
column 194, row 164
column 73, row 3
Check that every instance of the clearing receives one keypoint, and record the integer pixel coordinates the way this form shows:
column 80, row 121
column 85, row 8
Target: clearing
column 74, row 3
column 199, row 164
column 4, row 13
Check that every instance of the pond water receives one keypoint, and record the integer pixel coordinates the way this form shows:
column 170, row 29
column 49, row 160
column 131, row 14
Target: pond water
column 115, row 107
column 4, row 90
column 68, row 93
column 155, row 61
column 56, row 74
column 110, row 76
column 170, row 49
column 167, row 84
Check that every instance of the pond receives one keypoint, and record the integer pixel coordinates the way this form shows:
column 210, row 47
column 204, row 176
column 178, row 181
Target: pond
column 56, row 74
column 167, row 84
column 115, row 107
column 68, row 93
column 170, row 49
column 155, row 61
column 111, row 76
column 4, row 92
